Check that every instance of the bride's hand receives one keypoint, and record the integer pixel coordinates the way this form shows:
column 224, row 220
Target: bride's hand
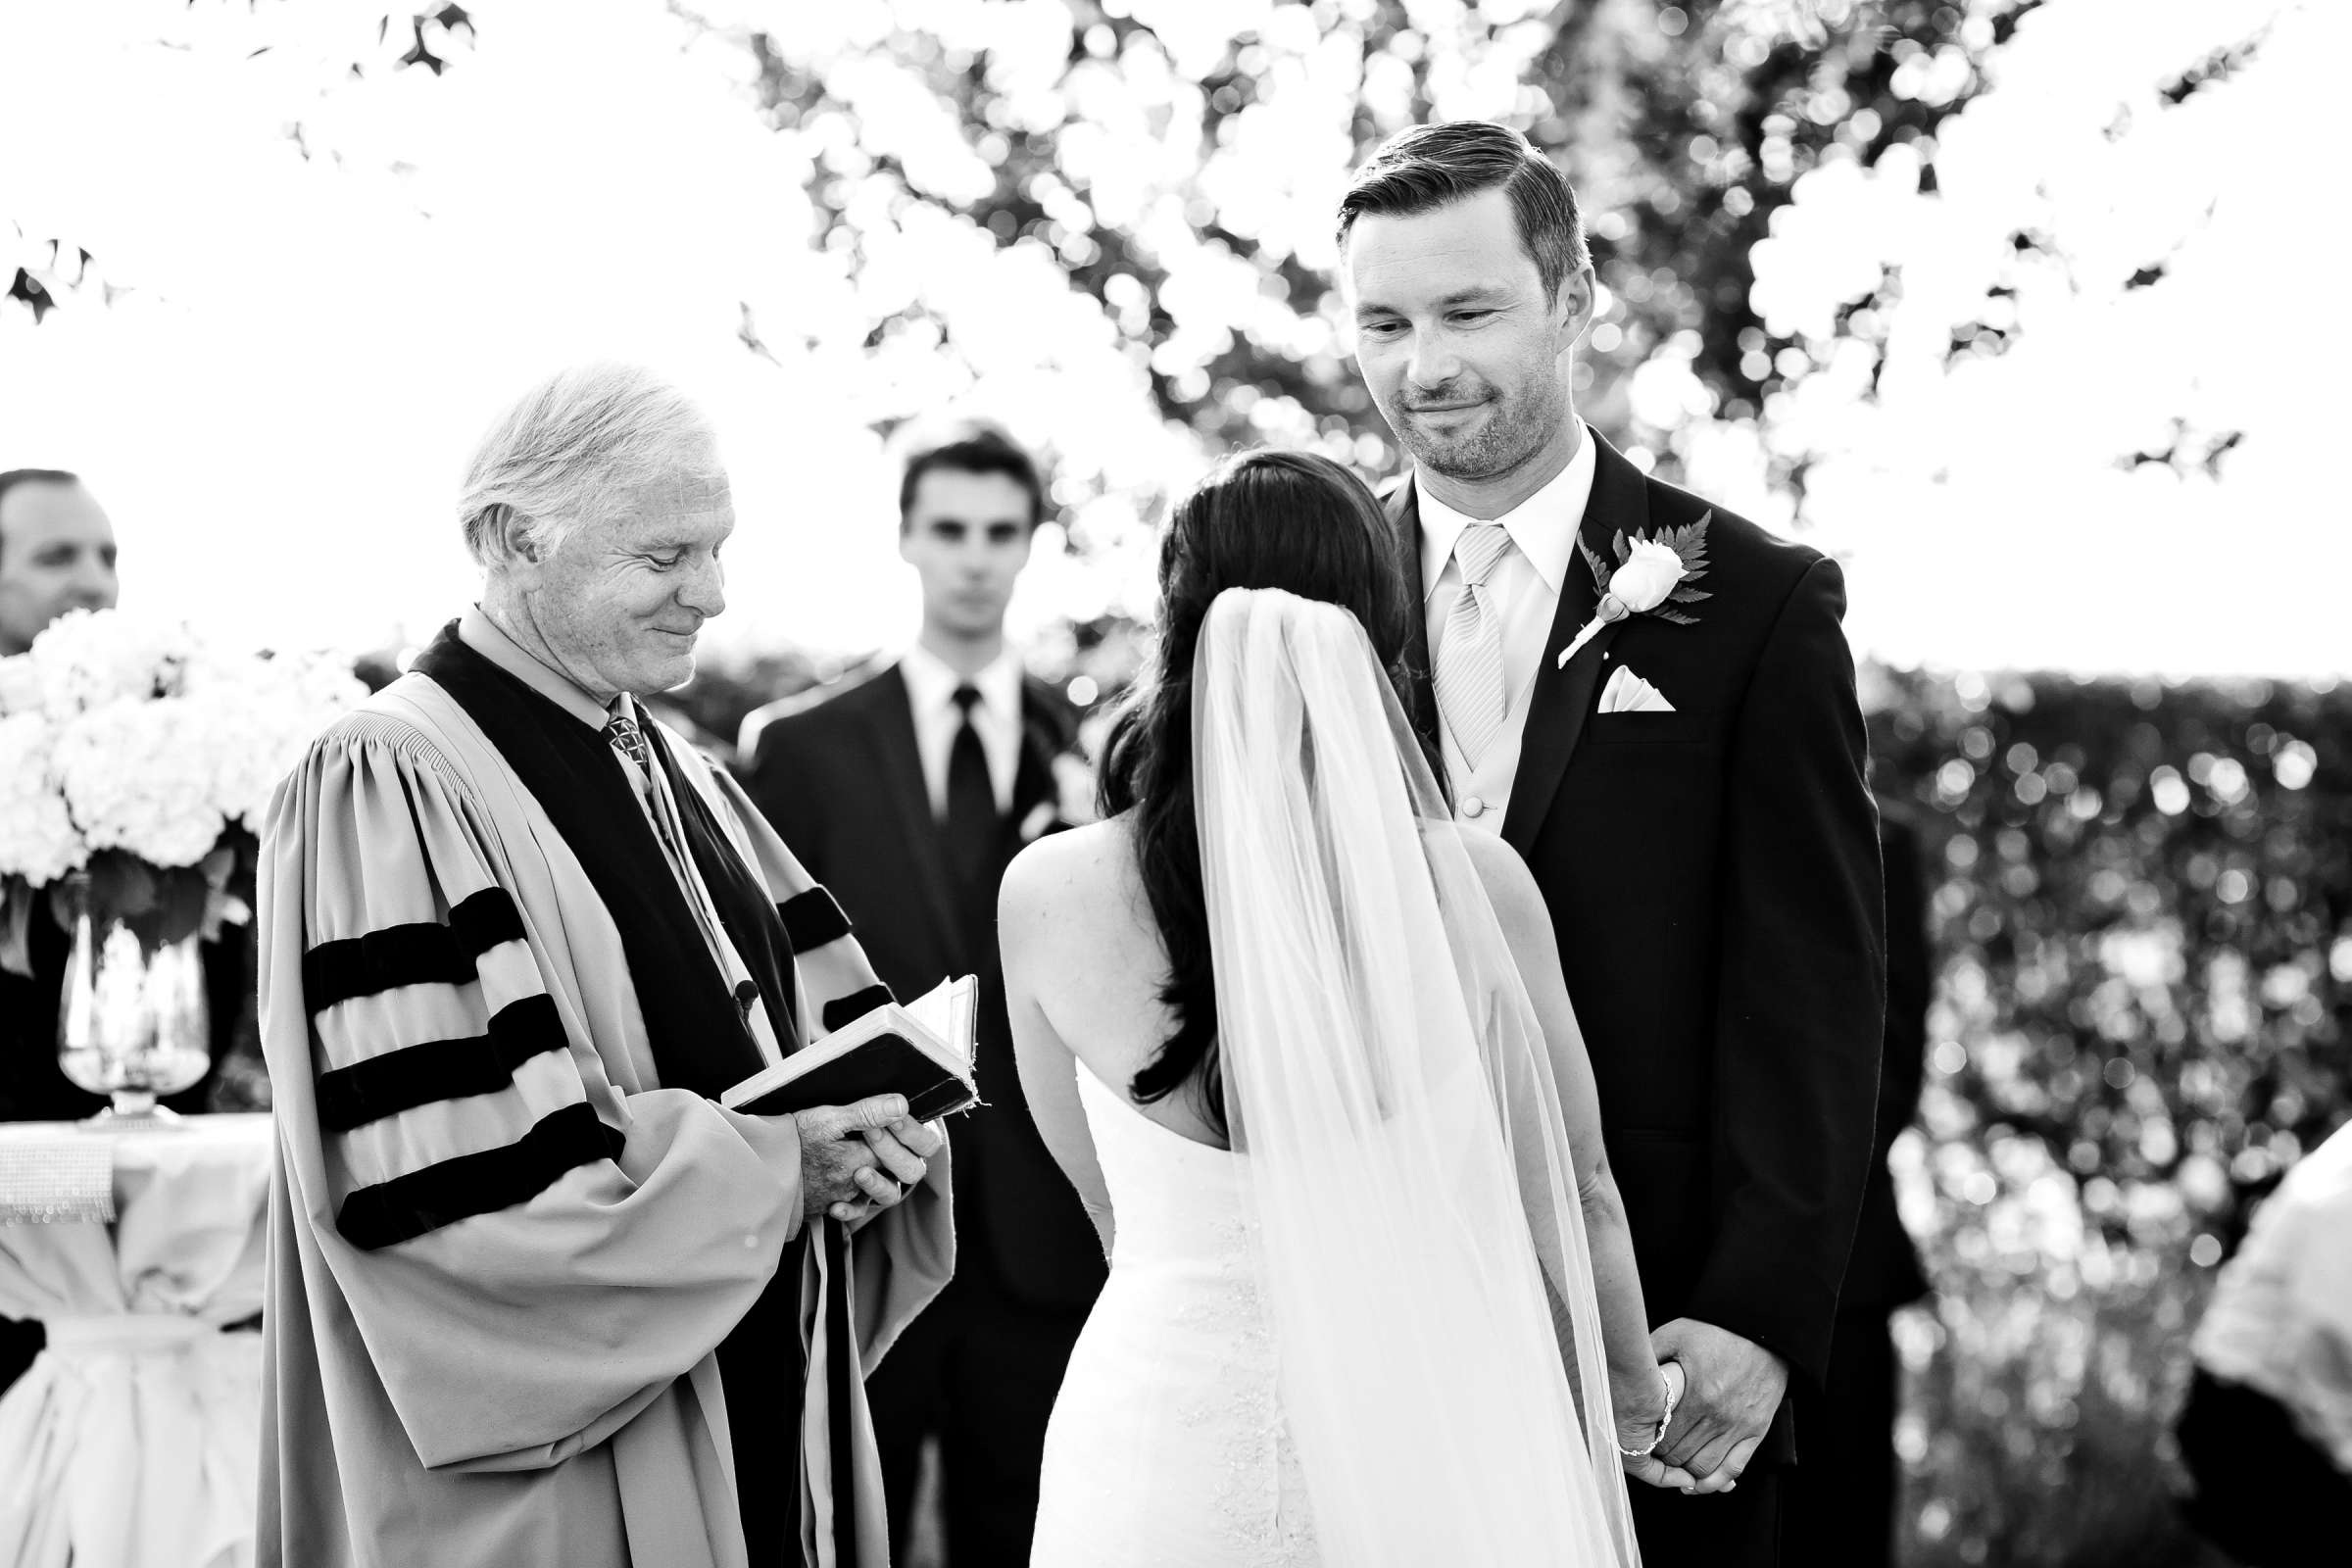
column 1638, row 1409
column 1638, row 1427
column 1656, row 1472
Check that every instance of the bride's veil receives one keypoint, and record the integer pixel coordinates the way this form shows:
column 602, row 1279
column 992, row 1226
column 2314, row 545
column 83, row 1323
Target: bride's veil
column 1413, row 1204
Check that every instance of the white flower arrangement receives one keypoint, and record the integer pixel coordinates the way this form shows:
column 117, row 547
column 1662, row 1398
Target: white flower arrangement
column 142, row 777
column 136, row 753
column 89, row 658
column 38, row 842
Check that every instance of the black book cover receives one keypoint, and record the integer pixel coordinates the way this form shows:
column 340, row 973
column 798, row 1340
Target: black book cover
column 885, row 1064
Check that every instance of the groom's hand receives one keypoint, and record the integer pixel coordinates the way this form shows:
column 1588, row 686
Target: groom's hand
column 1735, row 1388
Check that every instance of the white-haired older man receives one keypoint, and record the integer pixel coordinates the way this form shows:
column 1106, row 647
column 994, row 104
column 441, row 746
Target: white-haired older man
column 536, row 1297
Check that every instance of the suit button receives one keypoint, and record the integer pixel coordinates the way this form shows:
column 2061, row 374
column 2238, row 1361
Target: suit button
column 1472, row 806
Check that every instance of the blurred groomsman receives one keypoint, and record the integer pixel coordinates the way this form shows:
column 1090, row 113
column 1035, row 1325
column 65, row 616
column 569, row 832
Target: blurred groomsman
column 1843, row 1512
column 908, row 794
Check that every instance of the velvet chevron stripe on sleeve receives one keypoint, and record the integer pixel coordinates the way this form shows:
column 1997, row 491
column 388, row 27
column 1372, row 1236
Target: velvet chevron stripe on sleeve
column 464, row 1185
column 857, row 1004
column 440, row 1069
column 811, row 919
column 419, row 953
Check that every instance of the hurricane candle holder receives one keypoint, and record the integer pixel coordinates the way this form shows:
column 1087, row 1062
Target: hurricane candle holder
column 132, row 1023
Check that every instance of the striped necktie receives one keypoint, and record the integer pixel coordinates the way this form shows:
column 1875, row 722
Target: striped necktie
column 1469, row 674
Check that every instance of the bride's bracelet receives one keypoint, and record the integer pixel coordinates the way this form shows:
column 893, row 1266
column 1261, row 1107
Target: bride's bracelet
column 1659, row 1435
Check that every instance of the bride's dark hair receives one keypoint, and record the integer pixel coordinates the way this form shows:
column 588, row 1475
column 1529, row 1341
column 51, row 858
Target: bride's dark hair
column 1263, row 519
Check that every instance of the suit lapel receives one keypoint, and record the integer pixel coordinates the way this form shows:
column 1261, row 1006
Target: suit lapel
column 891, row 729
column 1562, row 699
column 1421, row 699
column 1033, row 780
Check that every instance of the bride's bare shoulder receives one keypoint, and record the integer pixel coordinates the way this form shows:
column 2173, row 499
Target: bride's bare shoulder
column 1068, row 876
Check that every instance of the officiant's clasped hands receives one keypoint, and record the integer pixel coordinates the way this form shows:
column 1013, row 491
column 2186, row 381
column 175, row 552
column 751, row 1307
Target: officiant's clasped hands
column 861, row 1159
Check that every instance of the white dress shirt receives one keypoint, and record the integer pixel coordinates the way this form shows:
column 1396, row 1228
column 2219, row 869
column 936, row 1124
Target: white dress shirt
column 997, row 715
column 1525, row 590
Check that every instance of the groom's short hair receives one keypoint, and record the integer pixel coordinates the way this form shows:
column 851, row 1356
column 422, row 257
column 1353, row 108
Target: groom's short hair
column 1429, row 167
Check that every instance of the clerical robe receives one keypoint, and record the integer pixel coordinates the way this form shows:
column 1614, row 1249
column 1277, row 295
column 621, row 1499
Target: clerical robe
column 535, row 1296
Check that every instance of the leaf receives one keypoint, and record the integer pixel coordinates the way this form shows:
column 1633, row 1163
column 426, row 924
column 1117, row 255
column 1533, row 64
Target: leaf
column 1677, row 616
column 1601, row 568
column 122, row 886
column 1624, row 550
column 1688, row 595
column 179, row 909
column 16, row 926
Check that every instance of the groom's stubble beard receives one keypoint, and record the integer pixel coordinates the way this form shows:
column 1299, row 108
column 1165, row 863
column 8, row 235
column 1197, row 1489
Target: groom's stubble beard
column 1523, row 420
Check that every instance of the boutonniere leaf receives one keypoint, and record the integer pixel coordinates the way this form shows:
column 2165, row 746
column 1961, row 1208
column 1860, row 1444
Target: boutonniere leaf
column 1653, row 575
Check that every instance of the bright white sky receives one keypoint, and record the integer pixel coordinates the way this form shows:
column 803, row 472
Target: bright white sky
column 277, row 410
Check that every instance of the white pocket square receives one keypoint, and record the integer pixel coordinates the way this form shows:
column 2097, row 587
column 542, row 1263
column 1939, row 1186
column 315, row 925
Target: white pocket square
column 1628, row 693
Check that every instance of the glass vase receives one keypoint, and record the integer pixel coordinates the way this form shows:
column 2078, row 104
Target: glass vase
column 133, row 1023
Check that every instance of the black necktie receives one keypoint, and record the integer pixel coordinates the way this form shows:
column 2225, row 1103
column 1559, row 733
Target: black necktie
column 971, row 800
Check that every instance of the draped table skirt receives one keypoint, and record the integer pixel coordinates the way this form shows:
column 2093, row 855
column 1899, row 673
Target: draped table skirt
column 133, row 1440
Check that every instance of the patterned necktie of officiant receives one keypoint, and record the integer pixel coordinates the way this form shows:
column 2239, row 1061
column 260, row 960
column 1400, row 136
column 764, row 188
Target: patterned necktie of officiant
column 1469, row 676
column 629, row 741
column 628, row 738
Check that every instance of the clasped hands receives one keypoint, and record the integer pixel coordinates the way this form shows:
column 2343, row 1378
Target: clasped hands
column 861, row 1159
column 1733, row 1387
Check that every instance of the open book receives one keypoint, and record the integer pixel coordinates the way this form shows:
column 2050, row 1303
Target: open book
column 922, row 1050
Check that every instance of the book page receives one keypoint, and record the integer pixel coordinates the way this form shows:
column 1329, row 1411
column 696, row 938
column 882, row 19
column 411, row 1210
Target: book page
column 945, row 1010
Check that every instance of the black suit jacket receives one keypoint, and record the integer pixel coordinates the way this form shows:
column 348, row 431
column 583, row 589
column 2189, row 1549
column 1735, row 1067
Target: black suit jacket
column 842, row 781
column 1884, row 1272
column 1713, row 880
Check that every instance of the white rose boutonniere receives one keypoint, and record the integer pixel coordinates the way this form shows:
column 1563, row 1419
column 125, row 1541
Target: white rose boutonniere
column 1653, row 574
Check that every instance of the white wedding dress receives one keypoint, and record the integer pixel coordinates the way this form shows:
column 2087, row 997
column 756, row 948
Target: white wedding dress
column 1332, row 1344
column 1167, row 1448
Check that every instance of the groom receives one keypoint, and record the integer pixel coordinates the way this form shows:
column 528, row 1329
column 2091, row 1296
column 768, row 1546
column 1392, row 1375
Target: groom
column 1687, row 788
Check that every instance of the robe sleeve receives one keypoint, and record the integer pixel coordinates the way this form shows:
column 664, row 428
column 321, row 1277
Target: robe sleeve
column 530, row 1256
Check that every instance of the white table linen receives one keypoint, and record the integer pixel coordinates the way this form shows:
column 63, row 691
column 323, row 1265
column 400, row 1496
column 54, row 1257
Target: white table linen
column 133, row 1441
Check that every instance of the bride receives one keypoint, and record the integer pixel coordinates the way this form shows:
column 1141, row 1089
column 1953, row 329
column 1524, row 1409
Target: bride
column 1304, row 1050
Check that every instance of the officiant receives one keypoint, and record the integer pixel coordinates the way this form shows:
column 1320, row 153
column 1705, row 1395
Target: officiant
column 536, row 1297
column 909, row 791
